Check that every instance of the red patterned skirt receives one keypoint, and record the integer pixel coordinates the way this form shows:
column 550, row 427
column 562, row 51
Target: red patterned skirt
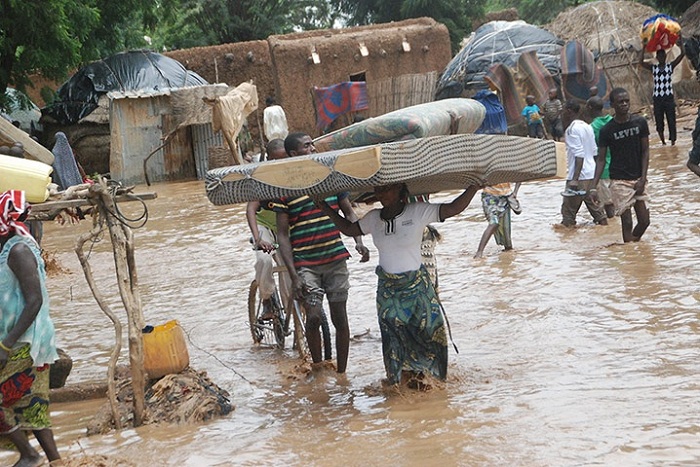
column 24, row 393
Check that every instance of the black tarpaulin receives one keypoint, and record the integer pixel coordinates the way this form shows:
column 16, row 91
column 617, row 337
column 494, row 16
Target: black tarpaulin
column 138, row 70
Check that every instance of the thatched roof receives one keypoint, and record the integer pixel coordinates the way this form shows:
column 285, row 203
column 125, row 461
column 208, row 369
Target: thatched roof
column 604, row 26
column 690, row 21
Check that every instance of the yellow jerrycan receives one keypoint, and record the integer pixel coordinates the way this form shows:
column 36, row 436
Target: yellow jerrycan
column 32, row 177
column 164, row 349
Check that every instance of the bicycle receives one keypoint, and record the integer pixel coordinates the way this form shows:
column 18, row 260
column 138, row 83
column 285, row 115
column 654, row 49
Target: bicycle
column 274, row 331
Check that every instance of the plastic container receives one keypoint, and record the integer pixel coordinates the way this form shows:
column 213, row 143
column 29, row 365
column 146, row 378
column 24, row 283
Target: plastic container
column 32, row 177
column 164, row 349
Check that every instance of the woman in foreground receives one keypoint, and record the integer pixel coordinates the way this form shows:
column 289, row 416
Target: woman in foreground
column 27, row 345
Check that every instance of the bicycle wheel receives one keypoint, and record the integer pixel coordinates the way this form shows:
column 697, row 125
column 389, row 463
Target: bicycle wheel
column 326, row 335
column 299, row 331
column 256, row 331
column 278, row 321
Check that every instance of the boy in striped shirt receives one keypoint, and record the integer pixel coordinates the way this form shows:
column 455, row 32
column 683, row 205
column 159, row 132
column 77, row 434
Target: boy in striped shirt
column 316, row 257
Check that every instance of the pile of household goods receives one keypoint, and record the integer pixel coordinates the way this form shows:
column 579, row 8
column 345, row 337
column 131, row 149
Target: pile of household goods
column 185, row 397
column 659, row 32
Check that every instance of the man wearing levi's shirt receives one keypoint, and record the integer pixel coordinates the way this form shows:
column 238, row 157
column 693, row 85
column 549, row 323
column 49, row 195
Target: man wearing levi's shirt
column 627, row 137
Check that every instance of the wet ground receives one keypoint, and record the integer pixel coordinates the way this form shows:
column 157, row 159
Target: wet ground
column 574, row 349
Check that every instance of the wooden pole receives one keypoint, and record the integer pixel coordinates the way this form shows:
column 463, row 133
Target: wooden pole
column 263, row 149
column 127, row 281
column 111, row 386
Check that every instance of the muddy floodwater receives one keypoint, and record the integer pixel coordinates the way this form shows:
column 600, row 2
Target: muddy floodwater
column 574, row 349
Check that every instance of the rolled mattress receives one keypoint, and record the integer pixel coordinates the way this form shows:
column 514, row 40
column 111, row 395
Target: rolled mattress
column 426, row 165
column 444, row 117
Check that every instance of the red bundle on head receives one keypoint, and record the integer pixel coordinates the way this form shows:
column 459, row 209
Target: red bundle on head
column 659, row 32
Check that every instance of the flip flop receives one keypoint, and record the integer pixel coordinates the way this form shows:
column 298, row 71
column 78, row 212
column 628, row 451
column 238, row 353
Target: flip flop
column 569, row 192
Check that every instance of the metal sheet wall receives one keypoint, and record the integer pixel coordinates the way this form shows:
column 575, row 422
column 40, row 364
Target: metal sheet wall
column 204, row 137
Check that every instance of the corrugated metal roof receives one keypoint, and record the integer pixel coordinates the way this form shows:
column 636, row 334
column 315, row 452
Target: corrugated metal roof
column 153, row 93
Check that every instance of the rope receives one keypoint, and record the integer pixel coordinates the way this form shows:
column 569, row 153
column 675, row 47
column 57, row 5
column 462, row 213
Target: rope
column 133, row 223
column 113, row 188
column 189, row 338
column 447, row 322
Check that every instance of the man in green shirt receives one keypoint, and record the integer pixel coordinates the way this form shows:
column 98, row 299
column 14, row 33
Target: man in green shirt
column 263, row 226
column 594, row 109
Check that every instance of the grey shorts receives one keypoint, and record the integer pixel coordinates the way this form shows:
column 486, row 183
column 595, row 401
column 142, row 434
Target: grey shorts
column 331, row 279
column 604, row 193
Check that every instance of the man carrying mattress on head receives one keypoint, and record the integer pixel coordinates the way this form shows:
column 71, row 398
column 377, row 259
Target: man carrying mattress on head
column 411, row 318
column 315, row 256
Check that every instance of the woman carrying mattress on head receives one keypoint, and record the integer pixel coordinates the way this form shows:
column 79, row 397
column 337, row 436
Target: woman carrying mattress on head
column 411, row 319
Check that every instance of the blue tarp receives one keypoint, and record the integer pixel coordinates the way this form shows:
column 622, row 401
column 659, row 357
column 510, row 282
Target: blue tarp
column 495, row 119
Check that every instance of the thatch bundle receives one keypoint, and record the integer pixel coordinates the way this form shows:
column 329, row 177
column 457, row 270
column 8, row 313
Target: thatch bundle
column 188, row 105
column 690, row 27
column 182, row 398
column 689, row 87
column 690, row 21
column 603, row 27
column 610, row 29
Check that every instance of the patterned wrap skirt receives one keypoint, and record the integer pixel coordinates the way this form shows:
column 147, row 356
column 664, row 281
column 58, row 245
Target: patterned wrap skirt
column 24, row 393
column 497, row 211
column 411, row 322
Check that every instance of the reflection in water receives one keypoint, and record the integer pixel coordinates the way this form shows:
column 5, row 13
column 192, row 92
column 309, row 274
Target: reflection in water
column 574, row 348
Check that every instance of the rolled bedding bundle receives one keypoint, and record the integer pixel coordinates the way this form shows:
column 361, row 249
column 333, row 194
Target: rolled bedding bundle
column 659, row 32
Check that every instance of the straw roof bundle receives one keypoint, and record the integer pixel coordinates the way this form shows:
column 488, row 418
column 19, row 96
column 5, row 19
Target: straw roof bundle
column 690, row 21
column 188, row 106
column 604, row 26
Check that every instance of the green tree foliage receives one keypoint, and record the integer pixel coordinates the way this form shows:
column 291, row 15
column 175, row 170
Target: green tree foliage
column 674, row 7
column 44, row 36
column 457, row 15
column 535, row 11
column 315, row 14
column 123, row 25
column 207, row 22
column 53, row 37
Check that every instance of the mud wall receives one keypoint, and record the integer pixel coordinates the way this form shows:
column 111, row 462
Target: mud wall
column 339, row 57
column 233, row 64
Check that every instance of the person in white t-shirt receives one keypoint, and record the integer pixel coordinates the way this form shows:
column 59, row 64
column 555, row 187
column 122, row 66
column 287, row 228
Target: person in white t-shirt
column 581, row 153
column 411, row 321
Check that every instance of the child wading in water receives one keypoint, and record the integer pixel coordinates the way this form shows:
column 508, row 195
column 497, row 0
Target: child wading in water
column 531, row 112
column 552, row 113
